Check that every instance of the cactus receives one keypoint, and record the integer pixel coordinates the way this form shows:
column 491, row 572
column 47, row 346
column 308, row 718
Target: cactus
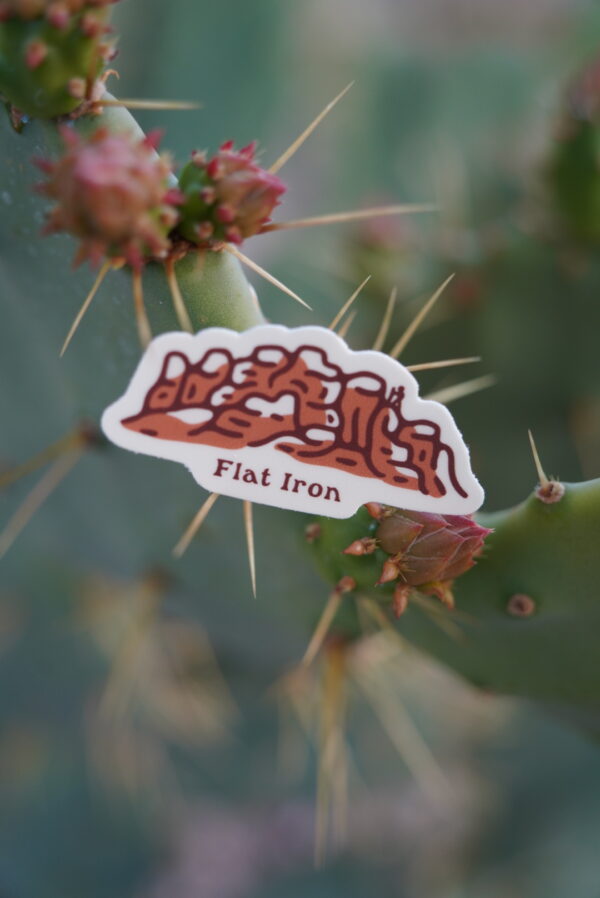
column 507, row 600
column 524, row 625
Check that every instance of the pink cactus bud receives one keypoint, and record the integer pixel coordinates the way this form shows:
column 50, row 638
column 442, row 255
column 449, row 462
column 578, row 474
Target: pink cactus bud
column 241, row 195
column 430, row 548
column 35, row 53
column 112, row 193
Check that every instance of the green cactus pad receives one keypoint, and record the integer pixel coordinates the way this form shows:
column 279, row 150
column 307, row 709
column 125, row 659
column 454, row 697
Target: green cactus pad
column 546, row 648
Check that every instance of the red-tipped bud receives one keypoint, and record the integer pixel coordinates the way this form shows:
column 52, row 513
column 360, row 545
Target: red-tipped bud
column 429, row 549
column 360, row 547
column 240, row 194
column 112, row 193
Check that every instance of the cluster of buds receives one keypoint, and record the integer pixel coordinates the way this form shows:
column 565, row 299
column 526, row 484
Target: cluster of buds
column 113, row 193
column 228, row 197
column 425, row 551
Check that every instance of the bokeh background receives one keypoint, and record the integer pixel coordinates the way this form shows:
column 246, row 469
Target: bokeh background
column 150, row 754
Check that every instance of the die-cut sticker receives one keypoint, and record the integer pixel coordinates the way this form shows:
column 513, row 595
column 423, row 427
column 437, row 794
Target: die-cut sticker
column 296, row 419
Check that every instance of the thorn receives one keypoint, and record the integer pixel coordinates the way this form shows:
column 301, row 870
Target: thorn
column 357, row 215
column 151, row 104
column 249, row 526
column 458, row 391
column 387, row 320
column 446, row 363
column 71, row 441
column 403, row 734
column 264, row 274
column 440, row 616
column 343, row 330
column 295, row 146
column 348, row 303
column 549, row 489
column 178, row 304
column 143, row 325
column 544, row 482
column 346, row 584
column 331, row 753
column 87, row 302
column 195, row 525
column 419, row 317
column 36, row 498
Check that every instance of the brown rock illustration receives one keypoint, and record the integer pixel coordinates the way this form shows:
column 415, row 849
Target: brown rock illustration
column 302, row 404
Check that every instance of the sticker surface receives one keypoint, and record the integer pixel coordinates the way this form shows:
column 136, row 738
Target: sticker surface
column 296, row 419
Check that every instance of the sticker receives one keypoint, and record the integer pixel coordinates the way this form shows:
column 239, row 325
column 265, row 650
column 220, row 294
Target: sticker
column 296, row 419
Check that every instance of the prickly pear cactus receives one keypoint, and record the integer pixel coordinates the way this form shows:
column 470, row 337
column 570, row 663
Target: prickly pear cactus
column 508, row 600
column 523, row 624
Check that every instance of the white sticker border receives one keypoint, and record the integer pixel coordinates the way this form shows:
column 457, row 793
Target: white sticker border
column 353, row 490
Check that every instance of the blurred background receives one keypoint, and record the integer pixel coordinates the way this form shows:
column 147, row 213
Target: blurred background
column 150, row 744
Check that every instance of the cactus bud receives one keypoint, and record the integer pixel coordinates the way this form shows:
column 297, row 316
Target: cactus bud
column 47, row 46
column 113, row 193
column 428, row 551
column 228, row 197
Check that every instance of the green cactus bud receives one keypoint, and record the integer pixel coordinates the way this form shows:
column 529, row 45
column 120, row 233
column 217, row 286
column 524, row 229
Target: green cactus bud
column 227, row 198
column 51, row 53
